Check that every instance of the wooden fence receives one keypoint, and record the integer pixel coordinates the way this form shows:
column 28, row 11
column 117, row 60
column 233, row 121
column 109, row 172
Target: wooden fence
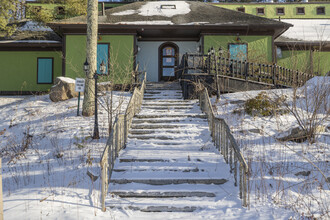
column 226, row 144
column 118, row 138
column 258, row 72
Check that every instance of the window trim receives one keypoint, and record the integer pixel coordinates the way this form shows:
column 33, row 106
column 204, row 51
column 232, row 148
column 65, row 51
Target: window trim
column 262, row 9
column 240, row 8
column 108, row 72
column 277, row 13
column 298, row 13
column 321, row 7
column 40, row 58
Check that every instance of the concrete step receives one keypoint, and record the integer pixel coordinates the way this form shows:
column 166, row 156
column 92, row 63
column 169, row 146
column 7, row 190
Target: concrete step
column 148, row 137
column 130, row 160
column 169, row 181
column 155, row 121
column 155, row 126
column 152, row 131
column 158, row 98
column 157, row 92
column 171, row 116
column 168, row 104
column 185, row 170
column 153, row 194
column 166, row 107
column 157, row 208
column 183, row 120
column 171, row 101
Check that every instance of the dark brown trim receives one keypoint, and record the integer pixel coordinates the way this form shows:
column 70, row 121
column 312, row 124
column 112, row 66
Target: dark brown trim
column 300, row 13
column 279, row 8
column 160, row 60
column 273, row 51
column 108, row 56
column 303, row 46
column 135, row 52
column 64, row 55
column 202, row 49
column 247, row 49
column 30, row 47
column 168, row 39
column 52, row 58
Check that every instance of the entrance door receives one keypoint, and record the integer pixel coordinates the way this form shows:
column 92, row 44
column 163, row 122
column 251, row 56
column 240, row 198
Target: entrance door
column 168, row 54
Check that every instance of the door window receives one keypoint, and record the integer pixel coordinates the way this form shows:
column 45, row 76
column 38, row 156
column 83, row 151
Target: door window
column 102, row 55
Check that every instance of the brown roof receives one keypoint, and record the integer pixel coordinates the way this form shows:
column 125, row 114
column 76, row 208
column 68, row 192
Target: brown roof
column 201, row 14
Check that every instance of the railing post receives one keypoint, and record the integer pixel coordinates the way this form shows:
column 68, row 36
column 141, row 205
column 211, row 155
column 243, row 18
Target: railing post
column 246, row 69
column 274, row 74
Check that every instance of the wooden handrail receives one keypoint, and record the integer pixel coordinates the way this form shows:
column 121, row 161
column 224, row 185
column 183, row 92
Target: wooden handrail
column 226, row 144
column 118, row 138
column 272, row 74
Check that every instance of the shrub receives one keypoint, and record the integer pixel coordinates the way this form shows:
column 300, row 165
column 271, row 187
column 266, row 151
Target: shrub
column 261, row 105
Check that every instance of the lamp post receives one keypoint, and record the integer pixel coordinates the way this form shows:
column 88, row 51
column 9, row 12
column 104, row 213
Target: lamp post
column 96, row 134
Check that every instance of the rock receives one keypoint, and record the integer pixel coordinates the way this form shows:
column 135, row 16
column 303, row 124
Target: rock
column 303, row 173
column 63, row 89
column 297, row 135
column 327, row 179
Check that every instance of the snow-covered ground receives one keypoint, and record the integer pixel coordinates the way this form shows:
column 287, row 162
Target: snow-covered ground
column 275, row 165
column 46, row 152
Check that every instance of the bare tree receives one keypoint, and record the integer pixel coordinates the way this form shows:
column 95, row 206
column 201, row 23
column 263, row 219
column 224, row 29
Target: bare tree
column 92, row 20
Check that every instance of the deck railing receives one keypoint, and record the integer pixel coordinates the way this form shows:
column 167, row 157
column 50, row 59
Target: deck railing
column 226, row 144
column 118, row 138
column 258, row 72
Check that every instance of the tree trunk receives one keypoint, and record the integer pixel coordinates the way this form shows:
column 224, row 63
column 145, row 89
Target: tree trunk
column 92, row 13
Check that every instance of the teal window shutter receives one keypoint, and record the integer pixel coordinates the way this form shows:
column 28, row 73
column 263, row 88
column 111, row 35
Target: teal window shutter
column 102, row 55
column 45, row 70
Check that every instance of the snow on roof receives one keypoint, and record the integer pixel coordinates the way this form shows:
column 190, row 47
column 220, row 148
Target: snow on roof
column 308, row 29
column 66, row 79
column 162, row 8
column 145, row 22
column 34, row 26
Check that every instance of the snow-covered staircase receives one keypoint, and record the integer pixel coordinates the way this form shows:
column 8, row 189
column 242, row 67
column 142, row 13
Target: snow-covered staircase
column 170, row 163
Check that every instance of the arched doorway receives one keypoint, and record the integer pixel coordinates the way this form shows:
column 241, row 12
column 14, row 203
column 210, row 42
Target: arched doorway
column 168, row 61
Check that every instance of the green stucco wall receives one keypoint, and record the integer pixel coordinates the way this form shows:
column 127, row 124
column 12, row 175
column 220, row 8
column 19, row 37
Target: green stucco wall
column 290, row 9
column 121, row 56
column 301, row 60
column 19, row 70
column 321, row 62
column 259, row 47
column 296, row 60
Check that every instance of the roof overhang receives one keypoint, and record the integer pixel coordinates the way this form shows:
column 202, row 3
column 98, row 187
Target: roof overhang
column 303, row 45
column 171, row 31
column 26, row 45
